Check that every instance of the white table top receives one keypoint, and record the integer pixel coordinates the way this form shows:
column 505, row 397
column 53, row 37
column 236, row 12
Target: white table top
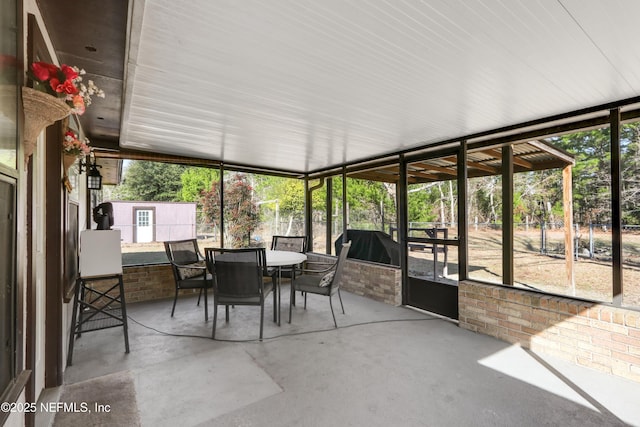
column 282, row 258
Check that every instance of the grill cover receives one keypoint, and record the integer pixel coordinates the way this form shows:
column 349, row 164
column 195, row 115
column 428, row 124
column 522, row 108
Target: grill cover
column 375, row 246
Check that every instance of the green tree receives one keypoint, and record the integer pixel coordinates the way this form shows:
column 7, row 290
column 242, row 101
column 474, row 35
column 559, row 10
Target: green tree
column 537, row 195
column 422, row 202
column 195, row 180
column 485, row 199
column 289, row 194
column 630, row 147
column 591, row 174
column 368, row 202
column 150, row 181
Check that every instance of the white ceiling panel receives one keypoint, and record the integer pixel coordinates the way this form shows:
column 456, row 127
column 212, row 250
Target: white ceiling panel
column 306, row 84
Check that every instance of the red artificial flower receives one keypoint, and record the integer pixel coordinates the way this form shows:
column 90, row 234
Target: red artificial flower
column 69, row 72
column 70, row 87
column 61, row 82
column 66, row 87
column 54, row 83
column 43, row 71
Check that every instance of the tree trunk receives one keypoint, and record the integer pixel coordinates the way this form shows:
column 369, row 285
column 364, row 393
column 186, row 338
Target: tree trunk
column 290, row 225
column 494, row 215
column 452, row 204
column 443, row 213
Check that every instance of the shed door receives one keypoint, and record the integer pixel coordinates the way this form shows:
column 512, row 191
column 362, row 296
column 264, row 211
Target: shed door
column 144, row 225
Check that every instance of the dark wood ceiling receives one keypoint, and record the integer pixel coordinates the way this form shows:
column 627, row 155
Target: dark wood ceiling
column 91, row 34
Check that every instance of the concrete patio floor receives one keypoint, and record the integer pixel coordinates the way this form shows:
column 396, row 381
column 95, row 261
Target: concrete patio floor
column 383, row 366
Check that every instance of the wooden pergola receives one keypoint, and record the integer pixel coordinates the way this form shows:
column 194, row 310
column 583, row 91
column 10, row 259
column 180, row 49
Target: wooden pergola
column 527, row 156
column 535, row 155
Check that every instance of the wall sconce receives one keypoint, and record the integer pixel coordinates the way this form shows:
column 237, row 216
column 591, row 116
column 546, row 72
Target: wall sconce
column 94, row 179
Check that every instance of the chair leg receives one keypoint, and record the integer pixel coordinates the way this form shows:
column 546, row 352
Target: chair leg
column 334, row 316
column 199, row 296
column 215, row 318
column 340, row 296
column 291, row 300
column 174, row 302
column 275, row 290
column 226, row 317
column 261, row 318
column 206, row 312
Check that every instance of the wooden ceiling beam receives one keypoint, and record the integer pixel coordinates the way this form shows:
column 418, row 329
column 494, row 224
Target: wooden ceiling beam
column 483, row 167
column 374, row 176
column 556, row 152
column 440, row 169
column 516, row 160
column 475, row 165
column 423, row 175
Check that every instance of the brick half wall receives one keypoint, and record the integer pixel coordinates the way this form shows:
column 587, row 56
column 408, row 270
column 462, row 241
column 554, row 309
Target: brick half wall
column 372, row 280
column 376, row 281
column 146, row 283
column 594, row 335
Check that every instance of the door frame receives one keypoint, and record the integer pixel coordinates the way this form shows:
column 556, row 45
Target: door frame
column 440, row 298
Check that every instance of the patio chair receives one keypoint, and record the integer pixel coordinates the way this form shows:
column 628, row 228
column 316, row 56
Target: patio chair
column 189, row 270
column 238, row 280
column 291, row 244
column 322, row 282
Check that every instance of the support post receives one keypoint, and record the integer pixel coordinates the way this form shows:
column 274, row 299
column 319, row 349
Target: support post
column 345, row 211
column 567, row 202
column 616, row 207
column 592, row 245
column 507, row 215
column 463, row 218
column 403, row 220
column 329, row 210
column 221, row 205
column 308, row 214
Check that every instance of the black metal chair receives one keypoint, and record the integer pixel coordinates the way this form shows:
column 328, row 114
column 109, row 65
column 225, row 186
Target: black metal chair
column 189, row 269
column 291, row 244
column 322, row 282
column 238, row 280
